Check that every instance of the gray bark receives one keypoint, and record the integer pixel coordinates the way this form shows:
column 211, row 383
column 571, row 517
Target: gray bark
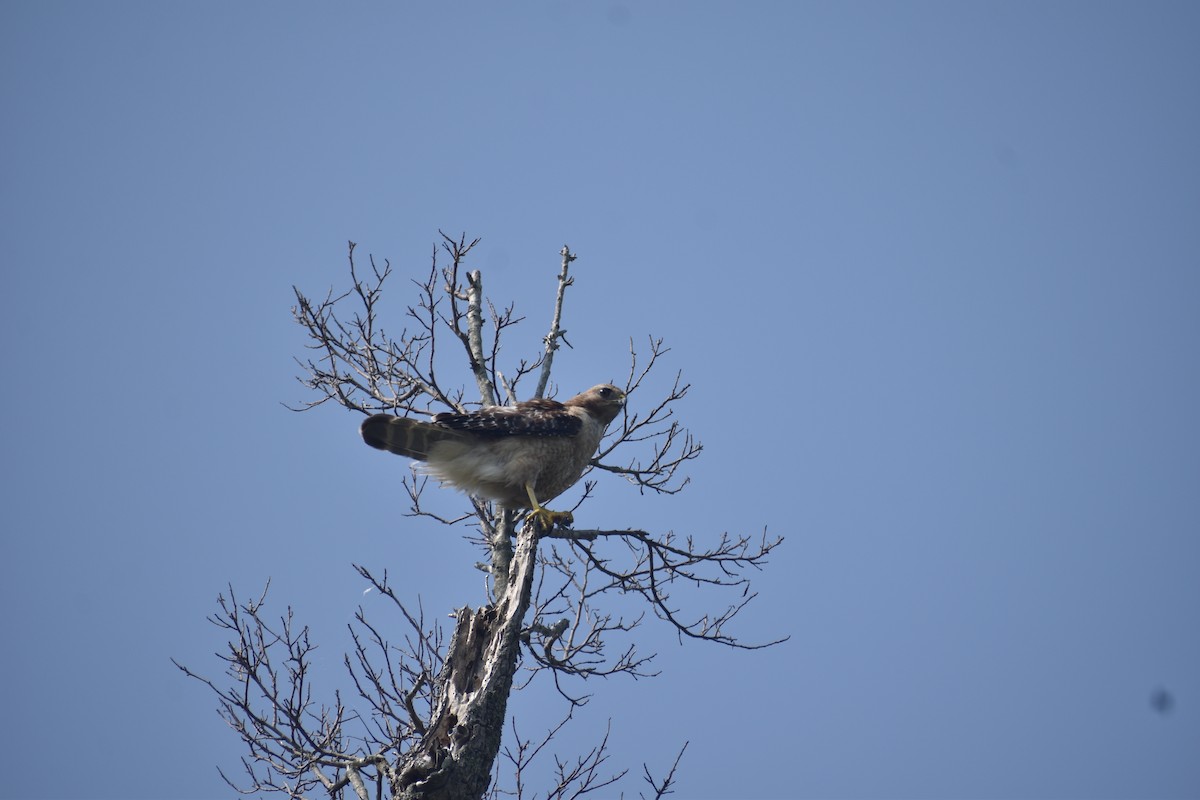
column 454, row 758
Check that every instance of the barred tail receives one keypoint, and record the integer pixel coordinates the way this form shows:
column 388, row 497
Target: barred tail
column 403, row 436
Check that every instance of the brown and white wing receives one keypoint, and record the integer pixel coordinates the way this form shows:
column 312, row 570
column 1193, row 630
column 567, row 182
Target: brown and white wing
column 530, row 418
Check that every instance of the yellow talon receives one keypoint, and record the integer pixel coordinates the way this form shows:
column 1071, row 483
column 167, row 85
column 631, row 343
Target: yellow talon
column 544, row 518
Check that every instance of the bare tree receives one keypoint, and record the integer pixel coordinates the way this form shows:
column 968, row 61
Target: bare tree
column 430, row 712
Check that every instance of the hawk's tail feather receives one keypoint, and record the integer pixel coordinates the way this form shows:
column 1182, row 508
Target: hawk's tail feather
column 403, row 436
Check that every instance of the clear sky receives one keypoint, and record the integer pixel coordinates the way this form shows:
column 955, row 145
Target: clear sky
column 933, row 270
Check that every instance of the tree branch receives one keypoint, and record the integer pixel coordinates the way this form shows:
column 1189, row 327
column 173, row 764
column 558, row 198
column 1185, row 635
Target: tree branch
column 556, row 331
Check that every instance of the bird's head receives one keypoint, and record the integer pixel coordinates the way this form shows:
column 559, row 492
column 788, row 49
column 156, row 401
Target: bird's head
column 603, row 402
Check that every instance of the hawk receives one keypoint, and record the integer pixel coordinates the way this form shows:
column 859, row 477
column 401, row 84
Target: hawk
column 520, row 456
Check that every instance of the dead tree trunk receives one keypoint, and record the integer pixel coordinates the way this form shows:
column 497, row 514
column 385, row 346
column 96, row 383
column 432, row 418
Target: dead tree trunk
column 454, row 758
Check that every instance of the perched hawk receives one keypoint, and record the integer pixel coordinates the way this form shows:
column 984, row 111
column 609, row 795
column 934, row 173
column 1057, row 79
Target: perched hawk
column 520, row 456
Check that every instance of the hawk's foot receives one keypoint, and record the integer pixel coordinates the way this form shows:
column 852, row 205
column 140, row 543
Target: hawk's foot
column 546, row 520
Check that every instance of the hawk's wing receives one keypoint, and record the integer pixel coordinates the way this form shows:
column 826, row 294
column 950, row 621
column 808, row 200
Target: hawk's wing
column 531, row 418
column 408, row 437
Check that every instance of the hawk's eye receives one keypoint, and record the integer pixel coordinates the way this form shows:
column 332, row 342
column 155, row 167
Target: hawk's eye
column 605, row 391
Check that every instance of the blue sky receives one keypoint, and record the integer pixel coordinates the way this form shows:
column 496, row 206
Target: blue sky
column 931, row 268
